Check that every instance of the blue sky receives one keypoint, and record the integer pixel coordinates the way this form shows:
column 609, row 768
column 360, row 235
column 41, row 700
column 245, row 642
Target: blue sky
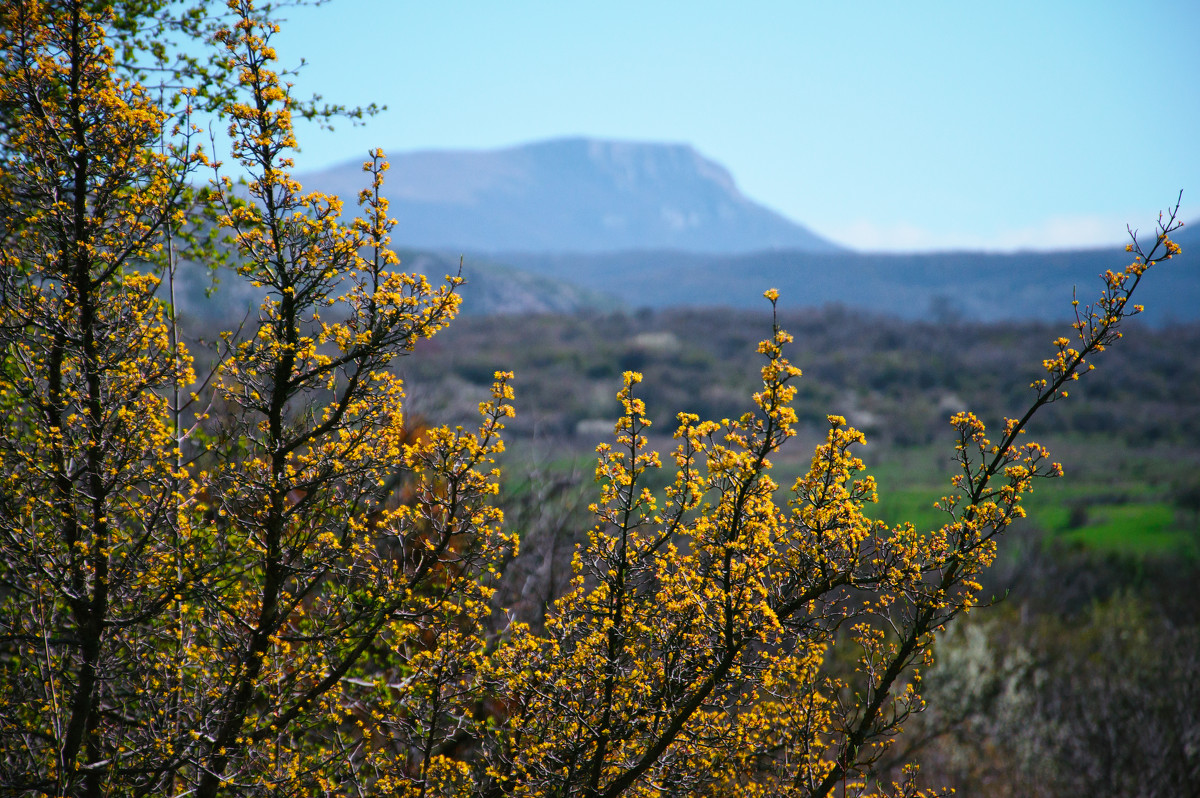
column 880, row 125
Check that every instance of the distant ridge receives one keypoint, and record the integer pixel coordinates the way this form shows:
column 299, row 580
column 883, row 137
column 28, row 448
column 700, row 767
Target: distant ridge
column 939, row 286
column 571, row 195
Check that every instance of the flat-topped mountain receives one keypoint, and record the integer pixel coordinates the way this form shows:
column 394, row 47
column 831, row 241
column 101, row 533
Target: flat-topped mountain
column 571, row 195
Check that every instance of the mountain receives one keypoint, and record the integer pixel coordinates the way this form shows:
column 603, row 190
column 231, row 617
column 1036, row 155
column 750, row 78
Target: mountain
column 571, row 195
column 940, row 286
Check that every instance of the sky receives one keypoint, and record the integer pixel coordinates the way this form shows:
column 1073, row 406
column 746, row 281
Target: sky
column 883, row 126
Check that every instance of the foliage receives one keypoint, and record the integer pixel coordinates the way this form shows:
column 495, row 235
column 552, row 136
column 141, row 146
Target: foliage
column 173, row 624
column 282, row 586
column 1147, row 670
column 1101, row 701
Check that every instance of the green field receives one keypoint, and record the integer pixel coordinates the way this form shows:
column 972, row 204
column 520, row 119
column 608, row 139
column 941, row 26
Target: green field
column 1129, row 509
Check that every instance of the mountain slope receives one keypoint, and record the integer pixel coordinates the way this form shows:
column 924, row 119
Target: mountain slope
column 571, row 195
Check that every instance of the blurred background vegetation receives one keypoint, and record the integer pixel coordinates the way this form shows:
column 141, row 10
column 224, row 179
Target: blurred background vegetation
column 1082, row 678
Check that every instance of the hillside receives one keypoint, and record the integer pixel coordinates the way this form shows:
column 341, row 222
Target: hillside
column 490, row 289
column 899, row 380
column 571, row 195
column 933, row 286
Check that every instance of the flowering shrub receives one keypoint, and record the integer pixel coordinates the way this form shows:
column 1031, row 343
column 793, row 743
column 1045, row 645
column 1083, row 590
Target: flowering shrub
column 265, row 582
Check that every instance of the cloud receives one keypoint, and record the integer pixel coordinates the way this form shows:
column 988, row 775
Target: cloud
column 1056, row 232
